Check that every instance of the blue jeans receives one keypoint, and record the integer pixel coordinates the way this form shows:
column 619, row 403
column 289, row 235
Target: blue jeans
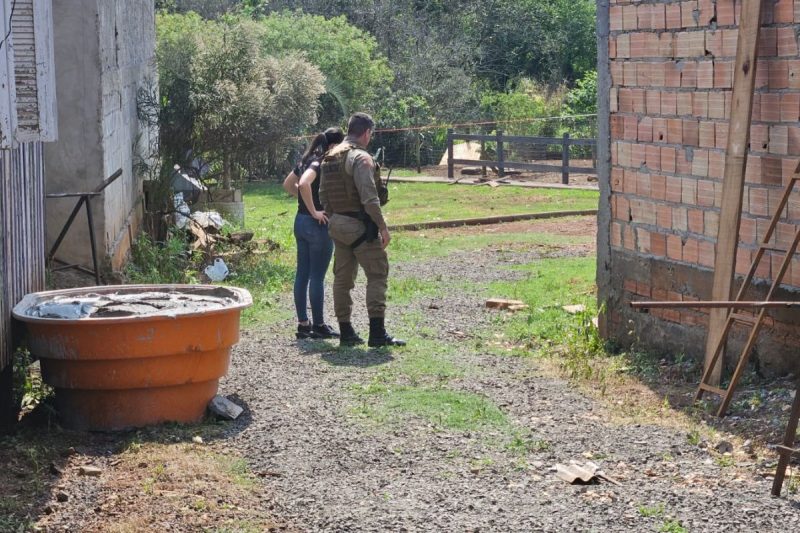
column 314, row 250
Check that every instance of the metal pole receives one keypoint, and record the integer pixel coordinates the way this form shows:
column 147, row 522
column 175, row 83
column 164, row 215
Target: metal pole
column 65, row 229
column 450, row 153
column 91, row 239
column 501, row 157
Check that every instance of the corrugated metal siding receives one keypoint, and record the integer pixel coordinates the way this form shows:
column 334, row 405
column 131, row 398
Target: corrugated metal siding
column 22, row 253
column 25, row 66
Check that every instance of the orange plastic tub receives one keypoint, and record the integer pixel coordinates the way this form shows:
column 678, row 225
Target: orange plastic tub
column 154, row 354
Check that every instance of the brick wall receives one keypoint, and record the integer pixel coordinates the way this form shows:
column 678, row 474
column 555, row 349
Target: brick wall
column 671, row 72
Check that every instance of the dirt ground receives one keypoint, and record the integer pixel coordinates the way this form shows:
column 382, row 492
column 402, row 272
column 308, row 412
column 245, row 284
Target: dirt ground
column 303, row 457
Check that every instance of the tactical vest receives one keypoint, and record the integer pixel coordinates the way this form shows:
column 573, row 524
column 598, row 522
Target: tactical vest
column 340, row 188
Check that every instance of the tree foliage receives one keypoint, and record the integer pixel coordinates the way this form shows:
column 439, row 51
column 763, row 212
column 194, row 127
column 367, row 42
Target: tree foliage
column 228, row 99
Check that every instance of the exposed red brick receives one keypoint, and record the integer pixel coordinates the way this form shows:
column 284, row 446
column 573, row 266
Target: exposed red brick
column 668, row 159
column 674, row 248
column 658, row 186
column 679, row 219
column 794, row 140
column 725, row 14
column 615, row 18
column 714, row 43
column 674, row 129
column 691, row 251
column 705, row 253
column 721, row 135
column 644, row 17
column 652, row 102
column 790, row 107
column 783, row 11
column 690, row 44
column 673, row 189
column 730, row 39
column 699, row 166
column 771, row 107
column 778, row 140
column 700, row 104
column 659, row 128
column 673, row 15
column 669, row 103
column 723, row 74
column 757, row 201
column 629, row 19
column 688, row 74
column 653, row 156
column 778, row 74
column 710, row 223
column 705, row 75
column 768, row 43
column 691, row 133
column 707, row 139
column 645, row 133
column 716, row 164
column 658, row 244
column 688, row 10
column 716, row 105
column 695, row 220
column 793, row 66
column 787, row 42
column 684, row 104
column 658, row 17
column 664, row 216
column 705, row 193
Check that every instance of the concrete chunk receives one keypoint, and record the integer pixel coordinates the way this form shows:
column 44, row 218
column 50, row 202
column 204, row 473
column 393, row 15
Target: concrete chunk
column 224, row 408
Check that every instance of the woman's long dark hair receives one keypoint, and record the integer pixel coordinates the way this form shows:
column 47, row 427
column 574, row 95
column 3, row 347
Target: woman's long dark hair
column 321, row 143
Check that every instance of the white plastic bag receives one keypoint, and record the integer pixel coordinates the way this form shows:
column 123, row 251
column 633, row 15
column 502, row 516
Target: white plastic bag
column 217, row 271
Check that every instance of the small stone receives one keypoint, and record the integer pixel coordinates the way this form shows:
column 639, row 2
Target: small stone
column 69, row 451
column 224, row 408
column 724, row 446
column 61, row 496
column 55, row 470
column 197, row 439
column 91, row 471
column 142, row 465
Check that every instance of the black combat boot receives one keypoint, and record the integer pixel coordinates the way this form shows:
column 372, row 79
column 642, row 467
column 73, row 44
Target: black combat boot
column 348, row 336
column 378, row 335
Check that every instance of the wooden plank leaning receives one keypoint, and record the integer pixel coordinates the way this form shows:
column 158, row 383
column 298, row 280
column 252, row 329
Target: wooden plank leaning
column 733, row 183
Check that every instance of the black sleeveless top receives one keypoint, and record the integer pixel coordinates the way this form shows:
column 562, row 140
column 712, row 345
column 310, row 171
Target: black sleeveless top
column 299, row 170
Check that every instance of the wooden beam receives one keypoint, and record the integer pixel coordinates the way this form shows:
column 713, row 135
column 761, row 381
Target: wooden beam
column 733, row 184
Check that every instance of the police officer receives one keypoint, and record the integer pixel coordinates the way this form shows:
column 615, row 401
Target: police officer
column 351, row 192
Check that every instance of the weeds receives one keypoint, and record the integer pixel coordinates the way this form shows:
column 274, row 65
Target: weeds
column 651, row 511
column 672, row 526
column 167, row 262
column 29, row 388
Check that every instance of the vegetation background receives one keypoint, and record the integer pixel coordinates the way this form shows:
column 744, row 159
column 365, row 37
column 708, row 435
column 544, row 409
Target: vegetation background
column 243, row 81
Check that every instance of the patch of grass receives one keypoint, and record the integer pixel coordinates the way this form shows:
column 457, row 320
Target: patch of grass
column 651, row 511
column 724, row 461
column 443, row 407
column 417, row 246
column 521, row 446
column 423, row 202
column 672, row 526
column 405, row 290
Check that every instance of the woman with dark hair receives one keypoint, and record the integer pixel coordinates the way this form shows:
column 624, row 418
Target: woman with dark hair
column 314, row 246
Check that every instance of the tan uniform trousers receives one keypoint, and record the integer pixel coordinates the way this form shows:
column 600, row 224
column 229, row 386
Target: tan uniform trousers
column 372, row 258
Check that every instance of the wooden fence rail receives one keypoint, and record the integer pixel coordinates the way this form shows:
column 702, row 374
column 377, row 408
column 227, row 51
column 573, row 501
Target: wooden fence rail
column 502, row 164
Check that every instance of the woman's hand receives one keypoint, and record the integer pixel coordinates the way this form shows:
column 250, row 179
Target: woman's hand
column 320, row 216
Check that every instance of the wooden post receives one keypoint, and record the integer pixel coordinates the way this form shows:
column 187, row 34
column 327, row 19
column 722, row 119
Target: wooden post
column 501, row 158
column 565, row 160
column 483, row 152
column 733, row 182
column 450, row 153
column 417, row 148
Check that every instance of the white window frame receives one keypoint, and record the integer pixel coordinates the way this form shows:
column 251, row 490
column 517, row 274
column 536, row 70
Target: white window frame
column 8, row 91
column 45, row 69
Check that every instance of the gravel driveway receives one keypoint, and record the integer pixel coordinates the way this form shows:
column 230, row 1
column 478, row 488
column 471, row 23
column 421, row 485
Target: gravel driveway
column 329, row 469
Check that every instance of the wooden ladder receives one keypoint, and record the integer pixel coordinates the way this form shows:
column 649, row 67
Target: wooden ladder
column 754, row 321
column 787, row 449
